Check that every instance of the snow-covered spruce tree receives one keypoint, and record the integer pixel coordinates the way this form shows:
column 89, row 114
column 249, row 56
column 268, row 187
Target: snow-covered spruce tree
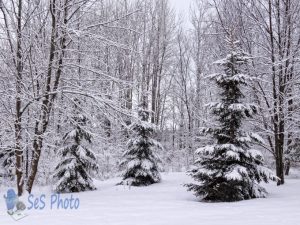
column 72, row 174
column 140, row 162
column 230, row 170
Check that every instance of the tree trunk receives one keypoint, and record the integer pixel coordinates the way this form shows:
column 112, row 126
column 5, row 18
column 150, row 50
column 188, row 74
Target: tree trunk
column 18, row 126
column 42, row 123
column 278, row 121
column 287, row 167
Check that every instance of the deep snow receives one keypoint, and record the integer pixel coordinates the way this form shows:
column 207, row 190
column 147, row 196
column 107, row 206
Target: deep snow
column 166, row 203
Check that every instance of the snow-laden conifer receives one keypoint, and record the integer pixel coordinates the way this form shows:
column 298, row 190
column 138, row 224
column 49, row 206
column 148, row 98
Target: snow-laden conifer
column 73, row 172
column 140, row 162
column 229, row 169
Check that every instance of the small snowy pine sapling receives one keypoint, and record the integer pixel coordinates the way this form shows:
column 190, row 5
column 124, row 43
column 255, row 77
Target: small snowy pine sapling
column 230, row 170
column 140, row 162
column 72, row 174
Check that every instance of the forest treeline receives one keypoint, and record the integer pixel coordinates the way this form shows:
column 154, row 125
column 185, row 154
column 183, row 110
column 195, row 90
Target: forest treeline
column 88, row 66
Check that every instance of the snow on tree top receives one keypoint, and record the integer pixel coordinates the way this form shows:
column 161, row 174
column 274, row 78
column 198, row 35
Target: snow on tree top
column 239, row 77
column 250, row 108
column 239, row 56
column 209, row 149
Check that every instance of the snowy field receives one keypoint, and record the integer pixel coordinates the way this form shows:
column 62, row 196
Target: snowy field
column 167, row 203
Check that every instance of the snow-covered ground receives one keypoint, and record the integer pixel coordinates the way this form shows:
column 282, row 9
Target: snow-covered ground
column 167, row 203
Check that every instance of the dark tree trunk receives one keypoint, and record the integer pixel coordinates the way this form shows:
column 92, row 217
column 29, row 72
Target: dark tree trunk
column 287, row 167
column 18, row 126
column 47, row 103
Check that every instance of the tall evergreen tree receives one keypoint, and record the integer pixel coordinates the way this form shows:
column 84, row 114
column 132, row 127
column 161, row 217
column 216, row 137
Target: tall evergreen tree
column 230, row 170
column 72, row 174
column 141, row 163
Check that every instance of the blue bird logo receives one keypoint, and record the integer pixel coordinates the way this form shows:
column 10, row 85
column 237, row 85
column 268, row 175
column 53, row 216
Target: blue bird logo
column 13, row 205
column 11, row 200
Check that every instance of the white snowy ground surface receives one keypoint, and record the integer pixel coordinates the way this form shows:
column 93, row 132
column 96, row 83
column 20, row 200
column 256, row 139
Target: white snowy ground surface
column 166, row 203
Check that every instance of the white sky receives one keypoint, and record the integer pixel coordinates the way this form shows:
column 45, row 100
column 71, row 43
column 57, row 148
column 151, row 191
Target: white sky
column 182, row 8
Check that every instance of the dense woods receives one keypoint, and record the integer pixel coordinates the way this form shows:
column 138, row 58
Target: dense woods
column 112, row 60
